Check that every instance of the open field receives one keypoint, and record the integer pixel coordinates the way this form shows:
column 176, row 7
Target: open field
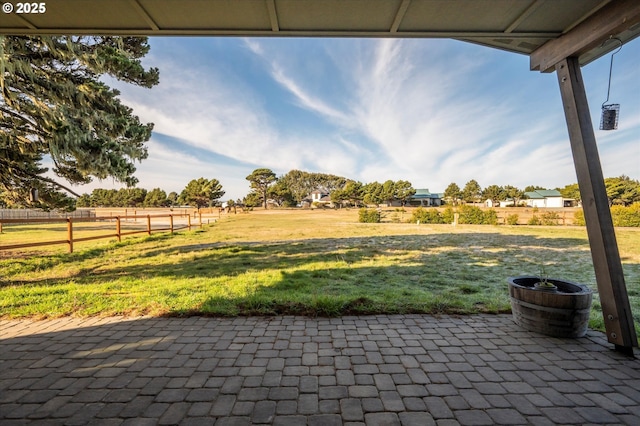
column 300, row 262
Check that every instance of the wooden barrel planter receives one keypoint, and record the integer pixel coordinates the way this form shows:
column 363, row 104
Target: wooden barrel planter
column 561, row 310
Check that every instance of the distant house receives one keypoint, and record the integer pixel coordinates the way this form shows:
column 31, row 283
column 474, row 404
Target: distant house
column 545, row 198
column 319, row 197
column 509, row 202
column 424, row 198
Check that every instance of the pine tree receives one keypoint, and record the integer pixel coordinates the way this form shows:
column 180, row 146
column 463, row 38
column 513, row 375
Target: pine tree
column 201, row 192
column 260, row 181
column 55, row 107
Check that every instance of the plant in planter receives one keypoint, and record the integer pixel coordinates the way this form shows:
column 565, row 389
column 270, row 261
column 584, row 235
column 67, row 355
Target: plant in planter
column 550, row 306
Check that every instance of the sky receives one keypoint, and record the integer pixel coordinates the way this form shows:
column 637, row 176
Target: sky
column 428, row 111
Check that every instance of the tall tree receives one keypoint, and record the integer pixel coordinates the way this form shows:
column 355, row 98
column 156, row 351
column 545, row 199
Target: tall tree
column 532, row 188
column 452, row 193
column 373, row 193
column 388, row 191
column 172, row 198
column 353, row 192
column 571, row 191
column 300, row 183
column 281, row 194
column 514, row 193
column 260, row 181
column 403, row 190
column 622, row 190
column 471, row 192
column 494, row 193
column 156, row 198
column 55, row 104
column 201, row 192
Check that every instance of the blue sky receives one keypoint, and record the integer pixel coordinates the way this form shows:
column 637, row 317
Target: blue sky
column 428, row 111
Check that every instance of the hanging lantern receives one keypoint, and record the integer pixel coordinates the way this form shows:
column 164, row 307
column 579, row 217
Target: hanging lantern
column 609, row 120
column 610, row 112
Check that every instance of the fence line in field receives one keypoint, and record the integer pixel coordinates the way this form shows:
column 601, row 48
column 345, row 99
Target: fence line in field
column 118, row 233
column 40, row 214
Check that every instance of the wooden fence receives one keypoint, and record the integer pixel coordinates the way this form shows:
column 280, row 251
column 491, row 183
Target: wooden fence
column 40, row 214
column 118, row 231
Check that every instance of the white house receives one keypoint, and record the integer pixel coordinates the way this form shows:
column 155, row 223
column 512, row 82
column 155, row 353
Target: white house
column 319, row 197
column 544, row 198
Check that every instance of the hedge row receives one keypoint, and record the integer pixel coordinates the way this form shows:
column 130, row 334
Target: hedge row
column 472, row 215
column 621, row 216
column 469, row 215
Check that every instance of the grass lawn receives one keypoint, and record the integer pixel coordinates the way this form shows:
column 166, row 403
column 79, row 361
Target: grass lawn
column 299, row 262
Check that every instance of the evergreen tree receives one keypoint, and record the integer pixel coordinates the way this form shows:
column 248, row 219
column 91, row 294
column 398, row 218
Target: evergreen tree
column 373, row 193
column 172, row 198
column 388, row 191
column 156, row 198
column 201, row 192
column 514, row 193
column 494, row 193
column 260, row 181
column 471, row 192
column 55, row 104
column 403, row 190
column 622, row 190
column 300, row 183
column 452, row 194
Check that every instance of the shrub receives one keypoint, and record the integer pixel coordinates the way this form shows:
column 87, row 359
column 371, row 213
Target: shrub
column 471, row 215
column 447, row 215
column 550, row 218
column 426, row 216
column 535, row 220
column 621, row 216
column 369, row 216
column 490, row 217
column 512, row 219
column 626, row 216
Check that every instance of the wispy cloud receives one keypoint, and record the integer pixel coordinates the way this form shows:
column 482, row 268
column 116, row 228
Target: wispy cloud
column 428, row 111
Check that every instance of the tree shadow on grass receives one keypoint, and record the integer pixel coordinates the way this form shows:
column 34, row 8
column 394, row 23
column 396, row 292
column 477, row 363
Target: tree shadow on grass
column 406, row 273
column 433, row 273
column 221, row 259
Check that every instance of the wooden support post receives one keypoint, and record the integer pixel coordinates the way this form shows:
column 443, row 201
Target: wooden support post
column 171, row 222
column 70, row 234
column 189, row 222
column 149, row 224
column 118, row 228
column 616, row 309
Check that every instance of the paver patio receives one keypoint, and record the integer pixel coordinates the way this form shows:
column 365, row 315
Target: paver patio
column 374, row 370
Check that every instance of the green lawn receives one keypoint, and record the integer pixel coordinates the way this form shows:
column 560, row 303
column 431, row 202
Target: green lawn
column 300, row 262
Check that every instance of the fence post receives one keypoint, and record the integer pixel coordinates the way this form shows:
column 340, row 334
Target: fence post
column 200, row 214
column 149, row 224
column 70, row 234
column 188, row 223
column 171, row 222
column 118, row 228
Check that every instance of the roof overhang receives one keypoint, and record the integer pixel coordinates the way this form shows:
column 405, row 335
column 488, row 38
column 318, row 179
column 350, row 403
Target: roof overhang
column 541, row 28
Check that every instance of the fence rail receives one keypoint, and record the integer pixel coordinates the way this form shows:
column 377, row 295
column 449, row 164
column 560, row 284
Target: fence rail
column 6, row 214
column 119, row 232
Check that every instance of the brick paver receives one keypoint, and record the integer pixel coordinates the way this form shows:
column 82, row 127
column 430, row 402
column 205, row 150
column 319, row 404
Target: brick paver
column 397, row 369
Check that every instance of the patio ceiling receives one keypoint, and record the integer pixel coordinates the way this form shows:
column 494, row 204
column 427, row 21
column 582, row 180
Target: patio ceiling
column 521, row 26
